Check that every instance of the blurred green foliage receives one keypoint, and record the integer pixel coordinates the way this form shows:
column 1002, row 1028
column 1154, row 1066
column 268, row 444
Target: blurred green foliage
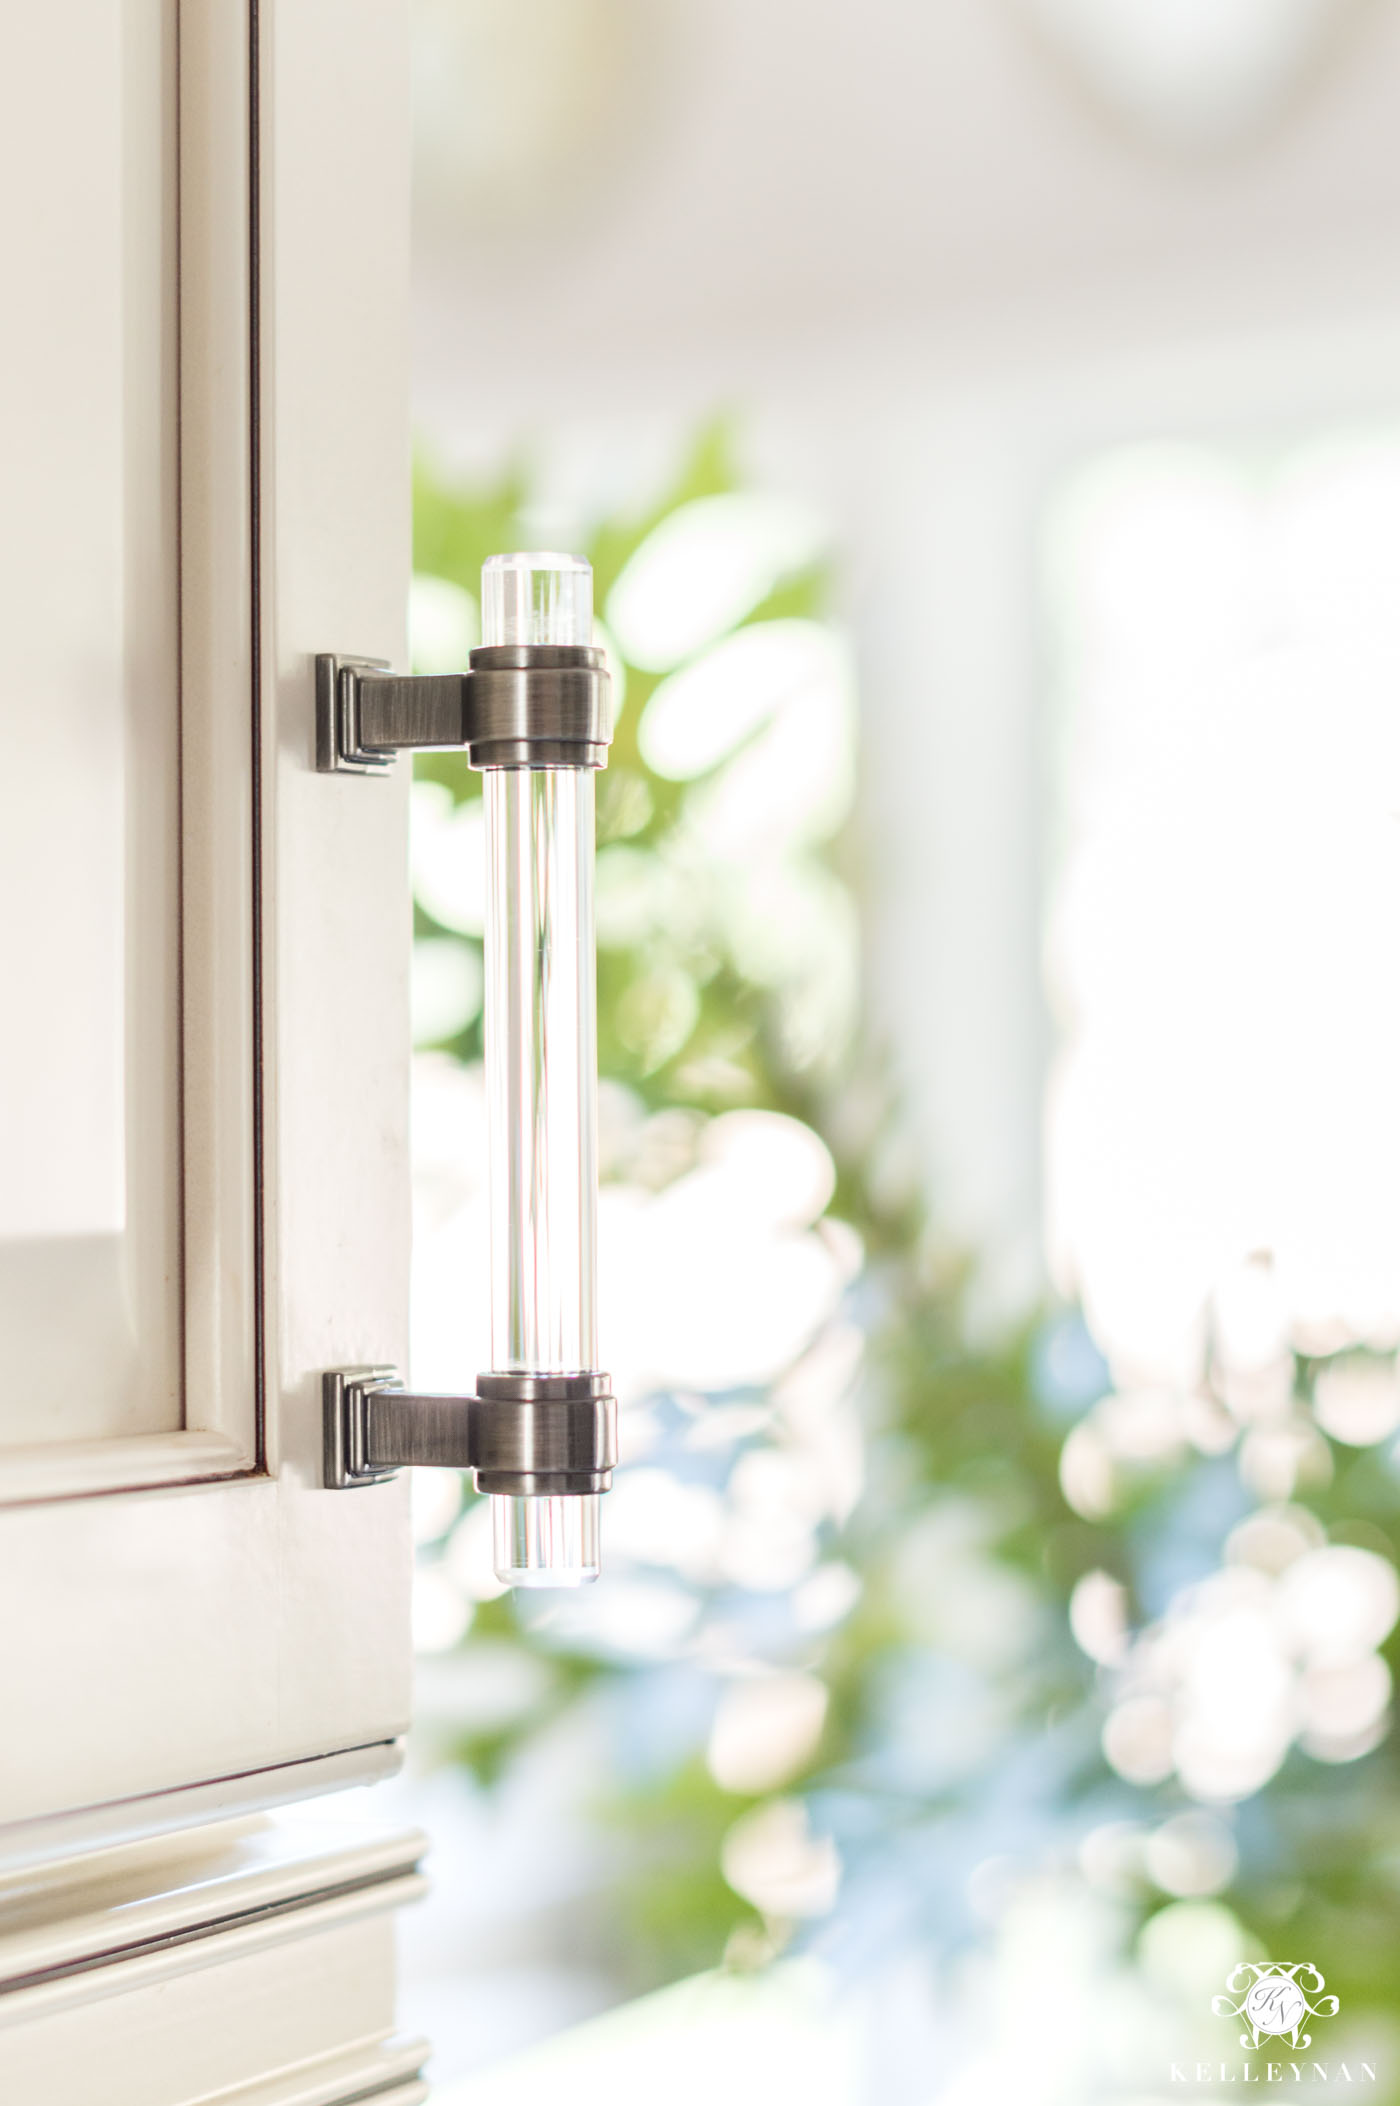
column 961, row 1437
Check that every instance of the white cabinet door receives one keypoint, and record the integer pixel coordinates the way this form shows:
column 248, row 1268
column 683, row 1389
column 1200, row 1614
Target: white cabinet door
column 203, row 944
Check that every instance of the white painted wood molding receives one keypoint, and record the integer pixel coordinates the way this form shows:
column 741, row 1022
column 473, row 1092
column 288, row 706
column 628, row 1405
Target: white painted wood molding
column 252, row 1960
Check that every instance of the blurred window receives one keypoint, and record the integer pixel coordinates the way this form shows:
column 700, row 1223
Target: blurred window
column 1226, row 640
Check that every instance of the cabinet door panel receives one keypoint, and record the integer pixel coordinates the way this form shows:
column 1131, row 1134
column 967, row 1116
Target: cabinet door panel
column 209, row 1107
column 89, row 795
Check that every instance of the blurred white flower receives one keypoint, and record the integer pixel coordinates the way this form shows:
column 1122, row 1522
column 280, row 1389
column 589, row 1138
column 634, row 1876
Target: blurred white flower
column 773, row 1860
column 696, row 718
column 1276, row 1460
column 774, row 1165
column 1191, row 1854
column 1098, row 1617
column 1141, row 1426
column 1343, row 1708
column 783, row 694
column 1358, row 1401
column 1338, row 1603
column 1086, row 1473
column 1252, row 1317
column 445, row 988
column 1279, row 1645
column 1273, row 1537
column 1237, row 1697
column 766, row 1728
column 1258, row 1395
column 777, row 1500
column 1111, row 1857
column 711, row 1283
column 1137, row 1739
column 1208, row 1426
column 444, row 626
column 1128, row 1432
column 654, row 1519
column 826, row 1597
column 449, row 858
column 706, row 566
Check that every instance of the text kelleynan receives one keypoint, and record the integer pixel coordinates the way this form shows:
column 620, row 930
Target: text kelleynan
column 1273, row 2073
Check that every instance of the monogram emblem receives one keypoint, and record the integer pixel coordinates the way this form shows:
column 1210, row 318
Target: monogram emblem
column 1273, row 2000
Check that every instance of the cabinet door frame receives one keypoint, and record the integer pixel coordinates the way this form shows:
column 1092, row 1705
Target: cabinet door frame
column 223, row 1431
column 206, row 1628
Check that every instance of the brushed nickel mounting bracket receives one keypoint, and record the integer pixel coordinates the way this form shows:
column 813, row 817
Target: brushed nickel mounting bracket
column 523, row 1436
column 516, row 706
